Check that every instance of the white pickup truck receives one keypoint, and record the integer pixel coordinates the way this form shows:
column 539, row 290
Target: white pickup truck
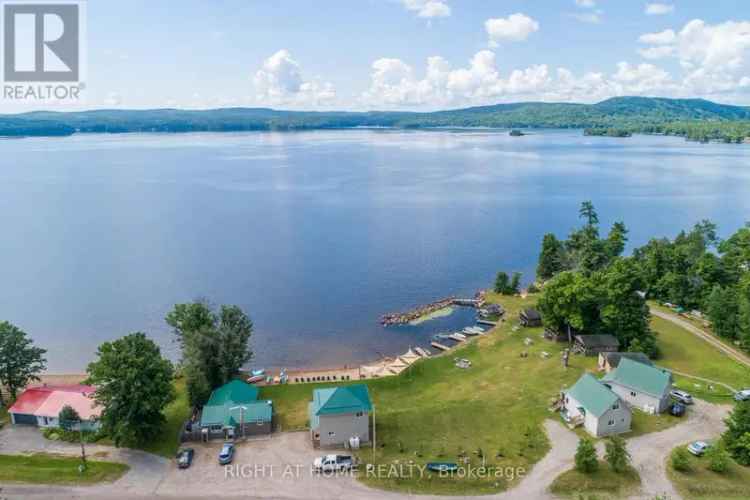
column 334, row 463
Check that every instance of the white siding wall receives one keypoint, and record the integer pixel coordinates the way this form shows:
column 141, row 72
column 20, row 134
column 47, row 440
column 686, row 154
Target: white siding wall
column 642, row 401
column 598, row 427
column 335, row 430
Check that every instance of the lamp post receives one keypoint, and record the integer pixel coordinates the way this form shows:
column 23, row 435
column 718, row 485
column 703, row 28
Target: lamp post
column 242, row 409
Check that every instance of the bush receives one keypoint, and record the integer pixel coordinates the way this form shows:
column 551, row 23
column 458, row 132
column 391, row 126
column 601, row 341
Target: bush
column 718, row 459
column 680, row 460
column 533, row 288
column 72, row 436
column 586, row 460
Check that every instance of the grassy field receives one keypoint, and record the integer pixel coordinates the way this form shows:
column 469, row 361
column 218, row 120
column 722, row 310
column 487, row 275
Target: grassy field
column 700, row 482
column 604, row 483
column 176, row 413
column 683, row 351
column 42, row 468
column 437, row 412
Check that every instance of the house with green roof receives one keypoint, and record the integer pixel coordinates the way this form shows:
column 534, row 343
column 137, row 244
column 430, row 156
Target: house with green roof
column 338, row 414
column 643, row 386
column 595, row 406
column 233, row 410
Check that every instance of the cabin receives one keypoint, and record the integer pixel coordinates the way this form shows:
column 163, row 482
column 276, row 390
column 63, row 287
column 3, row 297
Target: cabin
column 642, row 386
column 608, row 361
column 599, row 409
column 232, row 411
column 340, row 415
column 591, row 345
column 491, row 311
column 40, row 406
column 530, row 317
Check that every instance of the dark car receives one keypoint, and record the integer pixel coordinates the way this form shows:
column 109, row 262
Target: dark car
column 185, row 458
column 677, row 409
column 226, row 454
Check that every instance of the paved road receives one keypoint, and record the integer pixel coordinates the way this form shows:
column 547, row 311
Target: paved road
column 729, row 351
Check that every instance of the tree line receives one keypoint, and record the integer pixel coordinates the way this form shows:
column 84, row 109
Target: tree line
column 133, row 381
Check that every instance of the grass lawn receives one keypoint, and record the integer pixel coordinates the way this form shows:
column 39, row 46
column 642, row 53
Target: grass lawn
column 683, row 351
column 42, row 468
column 700, row 482
column 4, row 419
column 437, row 412
column 604, row 483
column 168, row 441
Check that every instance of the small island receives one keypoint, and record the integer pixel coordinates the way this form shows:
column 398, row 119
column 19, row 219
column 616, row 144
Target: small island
column 607, row 132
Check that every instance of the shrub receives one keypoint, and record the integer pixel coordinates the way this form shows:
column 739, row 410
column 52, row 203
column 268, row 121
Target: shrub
column 586, row 460
column 718, row 459
column 680, row 460
column 737, row 435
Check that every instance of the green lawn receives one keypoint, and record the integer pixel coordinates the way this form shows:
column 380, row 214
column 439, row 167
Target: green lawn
column 700, row 482
column 683, row 351
column 176, row 413
column 42, row 468
column 437, row 412
column 3, row 416
column 604, row 483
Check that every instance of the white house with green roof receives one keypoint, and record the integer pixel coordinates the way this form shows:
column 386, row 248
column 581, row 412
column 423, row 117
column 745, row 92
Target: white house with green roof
column 233, row 410
column 599, row 409
column 642, row 386
column 338, row 414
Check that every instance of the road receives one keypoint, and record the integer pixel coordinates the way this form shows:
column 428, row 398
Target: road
column 729, row 351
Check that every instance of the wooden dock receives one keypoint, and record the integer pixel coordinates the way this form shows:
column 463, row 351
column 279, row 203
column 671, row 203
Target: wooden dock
column 457, row 337
column 486, row 322
column 422, row 352
column 440, row 346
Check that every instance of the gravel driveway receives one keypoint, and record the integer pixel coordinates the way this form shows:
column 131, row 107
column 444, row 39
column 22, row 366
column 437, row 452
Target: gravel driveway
column 286, row 457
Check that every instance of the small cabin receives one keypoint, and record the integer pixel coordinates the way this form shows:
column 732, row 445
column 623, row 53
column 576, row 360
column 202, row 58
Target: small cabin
column 591, row 345
column 530, row 317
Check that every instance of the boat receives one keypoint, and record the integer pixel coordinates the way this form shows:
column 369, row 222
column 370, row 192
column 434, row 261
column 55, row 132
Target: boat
column 255, row 379
column 258, row 373
column 442, row 336
column 473, row 330
column 457, row 337
column 442, row 466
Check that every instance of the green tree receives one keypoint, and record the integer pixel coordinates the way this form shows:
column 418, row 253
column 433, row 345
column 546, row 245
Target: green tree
column 616, row 239
column 133, row 385
column 585, row 458
column 680, row 459
column 718, row 459
column 570, row 299
column 588, row 213
column 502, row 282
column 515, row 284
column 20, row 361
column 617, row 455
column 723, row 311
column 737, row 435
column 214, row 346
column 68, row 417
column 551, row 257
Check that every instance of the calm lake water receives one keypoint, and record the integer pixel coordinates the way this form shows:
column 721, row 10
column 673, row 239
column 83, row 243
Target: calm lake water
column 317, row 234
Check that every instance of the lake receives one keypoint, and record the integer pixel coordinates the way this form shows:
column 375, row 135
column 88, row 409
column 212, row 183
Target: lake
column 317, row 234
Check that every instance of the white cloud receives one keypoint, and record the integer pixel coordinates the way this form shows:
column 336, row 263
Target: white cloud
column 514, row 28
column 658, row 9
column 586, row 4
column 428, row 8
column 588, row 17
column 395, row 83
column 280, row 81
column 660, row 38
column 113, row 99
column 657, row 52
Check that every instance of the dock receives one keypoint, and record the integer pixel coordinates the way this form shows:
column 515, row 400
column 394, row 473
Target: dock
column 457, row 337
column 486, row 322
column 440, row 346
column 423, row 352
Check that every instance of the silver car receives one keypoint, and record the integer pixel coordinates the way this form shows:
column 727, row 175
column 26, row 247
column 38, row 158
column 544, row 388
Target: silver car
column 682, row 396
column 698, row 448
column 743, row 395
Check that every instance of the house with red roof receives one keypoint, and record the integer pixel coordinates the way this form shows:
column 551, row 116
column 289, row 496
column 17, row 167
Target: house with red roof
column 41, row 405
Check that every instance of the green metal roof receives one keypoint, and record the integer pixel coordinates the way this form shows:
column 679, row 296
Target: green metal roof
column 223, row 405
column 340, row 400
column 593, row 396
column 649, row 379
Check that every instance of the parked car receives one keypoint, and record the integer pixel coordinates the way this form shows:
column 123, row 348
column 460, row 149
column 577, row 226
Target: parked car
column 333, row 463
column 226, row 454
column 185, row 458
column 743, row 395
column 682, row 396
column 698, row 448
column 677, row 409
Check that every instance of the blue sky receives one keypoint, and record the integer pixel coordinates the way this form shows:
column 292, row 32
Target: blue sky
column 373, row 54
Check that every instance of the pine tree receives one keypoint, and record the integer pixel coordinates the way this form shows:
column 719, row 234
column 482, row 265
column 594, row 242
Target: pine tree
column 585, row 458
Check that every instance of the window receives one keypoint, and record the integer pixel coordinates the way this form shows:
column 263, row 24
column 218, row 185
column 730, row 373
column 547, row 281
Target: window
column 616, row 406
column 331, row 434
column 611, row 422
column 633, row 394
column 359, row 414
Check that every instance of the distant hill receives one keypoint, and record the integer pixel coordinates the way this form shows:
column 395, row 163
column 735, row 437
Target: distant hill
column 630, row 114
